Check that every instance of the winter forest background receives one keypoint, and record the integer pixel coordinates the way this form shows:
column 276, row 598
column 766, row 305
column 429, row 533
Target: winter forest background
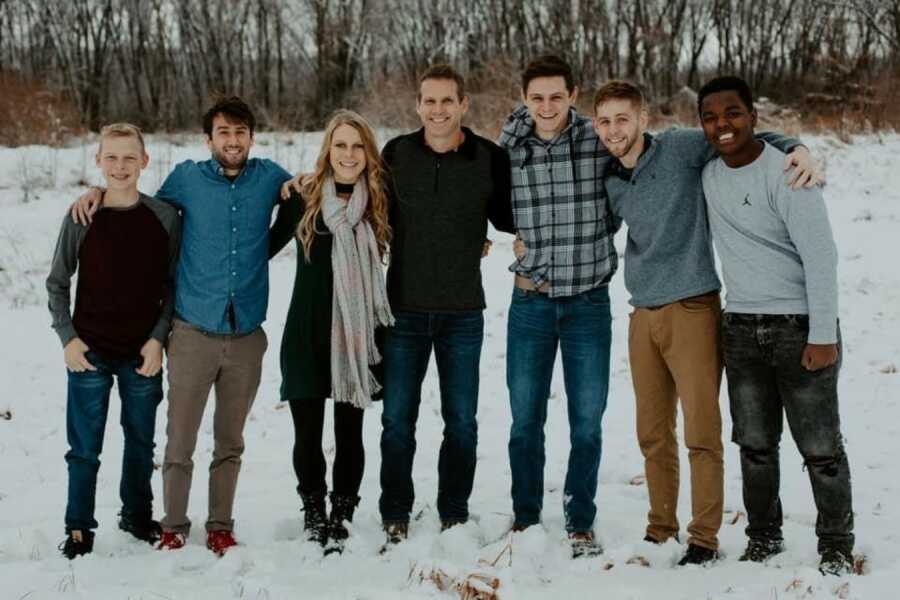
column 66, row 66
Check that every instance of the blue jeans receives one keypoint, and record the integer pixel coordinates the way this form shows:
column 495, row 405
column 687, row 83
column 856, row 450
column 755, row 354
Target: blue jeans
column 766, row 382
column 581, row 326
column 86, row 410
column 456, row 339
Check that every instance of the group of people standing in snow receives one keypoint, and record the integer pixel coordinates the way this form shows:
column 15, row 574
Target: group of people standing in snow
column 187, row 270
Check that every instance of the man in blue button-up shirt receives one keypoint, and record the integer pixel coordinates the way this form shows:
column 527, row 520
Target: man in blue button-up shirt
column 221, row 295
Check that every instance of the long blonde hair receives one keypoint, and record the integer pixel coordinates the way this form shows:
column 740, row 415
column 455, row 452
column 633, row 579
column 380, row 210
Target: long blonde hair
column 374, row 174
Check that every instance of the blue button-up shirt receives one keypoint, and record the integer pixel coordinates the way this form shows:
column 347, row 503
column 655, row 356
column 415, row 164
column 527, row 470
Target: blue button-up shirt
column 225, row 242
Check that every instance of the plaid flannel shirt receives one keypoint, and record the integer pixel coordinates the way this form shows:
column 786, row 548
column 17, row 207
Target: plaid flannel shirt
column 559, row 205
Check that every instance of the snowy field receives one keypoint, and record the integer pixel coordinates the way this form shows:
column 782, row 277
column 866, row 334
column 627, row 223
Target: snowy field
column 273, row 563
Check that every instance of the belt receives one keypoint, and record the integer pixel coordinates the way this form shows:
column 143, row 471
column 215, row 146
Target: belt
column 525, row 283
column 212, row 334
column 700, row 298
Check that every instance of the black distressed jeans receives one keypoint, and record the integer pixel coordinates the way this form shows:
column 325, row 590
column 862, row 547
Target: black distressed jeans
column 766, row 381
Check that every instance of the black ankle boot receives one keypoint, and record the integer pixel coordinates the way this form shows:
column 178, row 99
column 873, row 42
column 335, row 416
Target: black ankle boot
column 315, row 519
column 342, row 508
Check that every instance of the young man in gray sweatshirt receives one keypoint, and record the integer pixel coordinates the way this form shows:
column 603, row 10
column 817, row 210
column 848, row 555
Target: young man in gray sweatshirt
column 653, row 183
column 780, row 332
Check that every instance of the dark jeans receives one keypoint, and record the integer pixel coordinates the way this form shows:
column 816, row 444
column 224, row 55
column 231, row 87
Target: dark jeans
column 581, row 327
column 456, row 339
column 766, row 380
column 309, row 460
column 86, row 409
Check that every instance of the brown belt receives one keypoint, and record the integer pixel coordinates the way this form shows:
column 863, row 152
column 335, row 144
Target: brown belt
column 525, row 283
column 709, row 296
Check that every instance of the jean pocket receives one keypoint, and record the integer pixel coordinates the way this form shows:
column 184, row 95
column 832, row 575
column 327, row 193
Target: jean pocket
column 520, row 295
column 597, row 296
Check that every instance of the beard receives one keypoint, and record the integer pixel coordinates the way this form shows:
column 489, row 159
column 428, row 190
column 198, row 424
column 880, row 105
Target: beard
column 621, row 150
column 229, row 162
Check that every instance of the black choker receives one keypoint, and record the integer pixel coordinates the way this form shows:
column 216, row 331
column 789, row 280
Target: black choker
column 343, row 188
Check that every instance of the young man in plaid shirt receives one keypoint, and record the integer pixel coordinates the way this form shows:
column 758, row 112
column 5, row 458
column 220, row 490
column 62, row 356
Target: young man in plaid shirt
column 560, row 299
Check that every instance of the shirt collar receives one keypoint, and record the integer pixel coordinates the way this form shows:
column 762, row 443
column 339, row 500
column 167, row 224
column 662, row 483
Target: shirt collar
column 467, row 149
column 619, row 170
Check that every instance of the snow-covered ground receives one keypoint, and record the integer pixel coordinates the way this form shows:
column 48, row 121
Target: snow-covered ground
column 272, row 562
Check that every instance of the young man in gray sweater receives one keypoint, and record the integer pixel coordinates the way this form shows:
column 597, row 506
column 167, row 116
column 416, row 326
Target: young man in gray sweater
column 780, row 332
column 653, row 183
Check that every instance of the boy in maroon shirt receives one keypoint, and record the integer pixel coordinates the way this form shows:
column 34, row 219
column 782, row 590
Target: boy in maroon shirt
column 125, row 259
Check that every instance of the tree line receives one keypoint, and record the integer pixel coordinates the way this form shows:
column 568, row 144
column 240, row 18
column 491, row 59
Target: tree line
column 157, row 62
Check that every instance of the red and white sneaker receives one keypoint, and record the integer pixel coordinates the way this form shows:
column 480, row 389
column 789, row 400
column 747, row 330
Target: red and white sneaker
column 171, row 540
column 220, row 541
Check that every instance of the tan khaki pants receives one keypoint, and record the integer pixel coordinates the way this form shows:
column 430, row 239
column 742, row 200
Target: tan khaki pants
column 197, row 362
column 675, row 353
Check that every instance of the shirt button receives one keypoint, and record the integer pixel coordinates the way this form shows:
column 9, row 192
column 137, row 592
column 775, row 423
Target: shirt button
column 232, row 294
column 234, row 251
column 232, row 186
column 234, row 229
column 233, row 208
column 234, row 273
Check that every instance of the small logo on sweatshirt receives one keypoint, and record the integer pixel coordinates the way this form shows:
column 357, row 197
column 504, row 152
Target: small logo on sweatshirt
column 746, row 201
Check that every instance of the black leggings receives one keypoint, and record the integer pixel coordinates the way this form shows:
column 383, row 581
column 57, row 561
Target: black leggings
column 309, row 460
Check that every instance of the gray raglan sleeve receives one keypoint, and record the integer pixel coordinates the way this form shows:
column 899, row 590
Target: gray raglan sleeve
column 171, row 222
column 784, row 143
column 806, row 218
column 59, row 281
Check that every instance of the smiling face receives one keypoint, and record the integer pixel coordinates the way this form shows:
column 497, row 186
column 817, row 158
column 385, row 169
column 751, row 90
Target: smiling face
column 728, row 124
column 620, row 123
column 548, row 101
column 121, row 159
column 230, row 143
column 440, row 108
column 347, row 154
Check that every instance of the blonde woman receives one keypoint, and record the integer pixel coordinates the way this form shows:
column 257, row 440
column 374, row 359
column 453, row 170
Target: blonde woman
column 338, row 306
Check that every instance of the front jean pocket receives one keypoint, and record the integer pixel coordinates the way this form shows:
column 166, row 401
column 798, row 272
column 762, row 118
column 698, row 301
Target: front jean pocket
column 597, row 296
column 700, row 304
column 520, row 295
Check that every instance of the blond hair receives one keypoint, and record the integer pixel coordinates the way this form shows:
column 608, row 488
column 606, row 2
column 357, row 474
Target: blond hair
column 120, row 130
column 374, row 176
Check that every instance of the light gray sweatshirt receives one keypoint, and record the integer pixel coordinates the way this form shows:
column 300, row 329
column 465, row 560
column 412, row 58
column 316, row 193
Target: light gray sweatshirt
column 777, row 250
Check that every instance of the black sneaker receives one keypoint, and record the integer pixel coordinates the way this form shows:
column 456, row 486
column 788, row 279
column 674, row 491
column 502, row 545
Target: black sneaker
column 584, row 545
column 652, row 540
column 147, row 531
column 77, row 543
column 836, row 562
column 760, row 550
column 698, row 555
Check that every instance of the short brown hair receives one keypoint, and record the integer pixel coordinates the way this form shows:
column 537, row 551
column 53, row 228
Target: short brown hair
column 548, row 65
column 120, row 130
column 233, row 109
column 443, row 71
column 617, row 89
